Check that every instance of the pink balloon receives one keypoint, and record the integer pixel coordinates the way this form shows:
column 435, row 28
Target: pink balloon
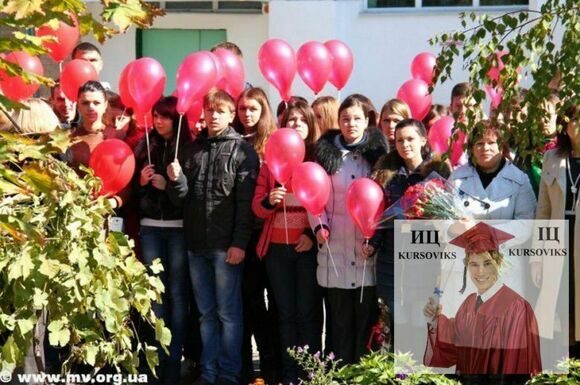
column 76, row 73
column 415, row 93
column 66, row 36
column 126, row 97
column 285, row 150
column 14, row 87
column 277, row 62
column 494, row 71
column 439, row 134
column 423, row 67
column 342, row 63
column 495, row 95
column 311, row 186
column 196, row 75
column 314, row 64
column 231, row 73
column 459, row 140
column 146, row 80
column 365, row 204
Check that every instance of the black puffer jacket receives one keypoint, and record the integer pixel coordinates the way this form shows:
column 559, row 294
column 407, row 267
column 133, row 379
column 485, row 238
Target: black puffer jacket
column 216, row 187
column 155, row 203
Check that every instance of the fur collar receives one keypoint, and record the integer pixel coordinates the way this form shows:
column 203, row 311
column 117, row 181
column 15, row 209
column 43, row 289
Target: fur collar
column 385, row 169
column 329, row 156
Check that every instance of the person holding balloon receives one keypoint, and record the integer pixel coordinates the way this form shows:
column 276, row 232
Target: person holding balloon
column 216, row 186
column 346, row 155
column 392, row 113
column 255, row 122
column 161, row 232
column 409, row 164
column 290, row 262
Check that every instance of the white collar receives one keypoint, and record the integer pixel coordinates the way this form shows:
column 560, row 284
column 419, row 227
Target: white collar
column 492, row 290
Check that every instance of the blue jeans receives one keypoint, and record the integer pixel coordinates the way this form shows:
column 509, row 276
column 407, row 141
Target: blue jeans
column 168, row 244
column 299, row 300
column 217, row 286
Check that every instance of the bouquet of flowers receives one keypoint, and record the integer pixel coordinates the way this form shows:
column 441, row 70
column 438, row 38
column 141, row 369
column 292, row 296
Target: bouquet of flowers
column 432, row 199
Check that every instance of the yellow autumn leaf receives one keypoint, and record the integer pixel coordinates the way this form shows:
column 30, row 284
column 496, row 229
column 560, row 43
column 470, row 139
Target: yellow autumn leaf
column 23, row 8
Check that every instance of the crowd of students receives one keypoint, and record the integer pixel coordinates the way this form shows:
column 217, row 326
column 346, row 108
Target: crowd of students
column 214, row 214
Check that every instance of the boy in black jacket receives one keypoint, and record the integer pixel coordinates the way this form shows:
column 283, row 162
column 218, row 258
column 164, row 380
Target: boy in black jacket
column 217, row 185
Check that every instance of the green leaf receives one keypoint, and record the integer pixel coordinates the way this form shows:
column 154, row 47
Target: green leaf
column 25, row 326
column 152, row 358
column 59, row 335
column 162, row 334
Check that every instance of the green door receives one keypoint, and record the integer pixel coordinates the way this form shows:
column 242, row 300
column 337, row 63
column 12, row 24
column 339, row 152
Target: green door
column 171, row 46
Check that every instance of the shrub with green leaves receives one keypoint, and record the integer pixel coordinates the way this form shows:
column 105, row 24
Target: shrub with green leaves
column 55, row 255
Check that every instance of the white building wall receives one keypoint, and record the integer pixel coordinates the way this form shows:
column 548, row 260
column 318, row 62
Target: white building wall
column 383, row 43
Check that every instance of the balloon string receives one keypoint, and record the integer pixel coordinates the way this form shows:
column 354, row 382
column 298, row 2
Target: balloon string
column 147, row 141
column 123, row 113
column 328, row 248
column 338, row 96
column 285, row 220
column 60, row 67
column 178, row 134
column 362, row 286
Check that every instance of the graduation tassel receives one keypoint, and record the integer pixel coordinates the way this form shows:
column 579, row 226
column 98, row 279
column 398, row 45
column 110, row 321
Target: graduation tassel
column 178, row 135
column 464, row 280
column 328, row 248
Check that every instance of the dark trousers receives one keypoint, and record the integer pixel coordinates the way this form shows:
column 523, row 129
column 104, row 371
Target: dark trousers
column 351, row 321
column 299, row 301
column 259, row 320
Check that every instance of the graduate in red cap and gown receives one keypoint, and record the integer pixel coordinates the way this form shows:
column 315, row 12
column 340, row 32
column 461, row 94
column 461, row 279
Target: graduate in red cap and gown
column 495, row 330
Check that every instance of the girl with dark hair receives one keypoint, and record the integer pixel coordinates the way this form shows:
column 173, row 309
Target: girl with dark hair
column 410, row 163
column 161, row 223
column 559, row 199
column 346, row 155
column 290, row 263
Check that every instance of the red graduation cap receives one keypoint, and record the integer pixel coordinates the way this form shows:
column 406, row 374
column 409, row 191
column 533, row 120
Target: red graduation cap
column 478, row 239
column 481, row 237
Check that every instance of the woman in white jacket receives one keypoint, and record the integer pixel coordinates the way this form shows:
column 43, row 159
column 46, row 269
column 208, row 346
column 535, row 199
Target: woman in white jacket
column 346, row 155
column 492, row 187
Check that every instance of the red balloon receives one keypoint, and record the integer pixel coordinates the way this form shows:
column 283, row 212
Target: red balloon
column 231, row 76
column 459, row 139
column 144, row 119
column 196, row 75
column 76, row 73
column 314, row 64
column 146, row 80
column 277, row 62
column 114, row 163
column 126, row 97
column 415, row 93
column 342, row 63
column 439, row 134
column 311, row 186
column 285, row 150
column 365, row 204
column 14, row 87
column 66, row 36
column 423, row 67
column 194, row 113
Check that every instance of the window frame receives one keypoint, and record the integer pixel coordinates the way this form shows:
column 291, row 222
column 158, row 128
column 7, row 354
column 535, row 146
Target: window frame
column 418, row 8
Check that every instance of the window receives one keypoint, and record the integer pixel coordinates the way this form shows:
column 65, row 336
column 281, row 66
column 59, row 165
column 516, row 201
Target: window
column 239, row 6
column 393, row 4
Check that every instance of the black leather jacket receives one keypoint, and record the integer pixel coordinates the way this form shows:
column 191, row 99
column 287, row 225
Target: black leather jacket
column 216, row 187
column 155, row 203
